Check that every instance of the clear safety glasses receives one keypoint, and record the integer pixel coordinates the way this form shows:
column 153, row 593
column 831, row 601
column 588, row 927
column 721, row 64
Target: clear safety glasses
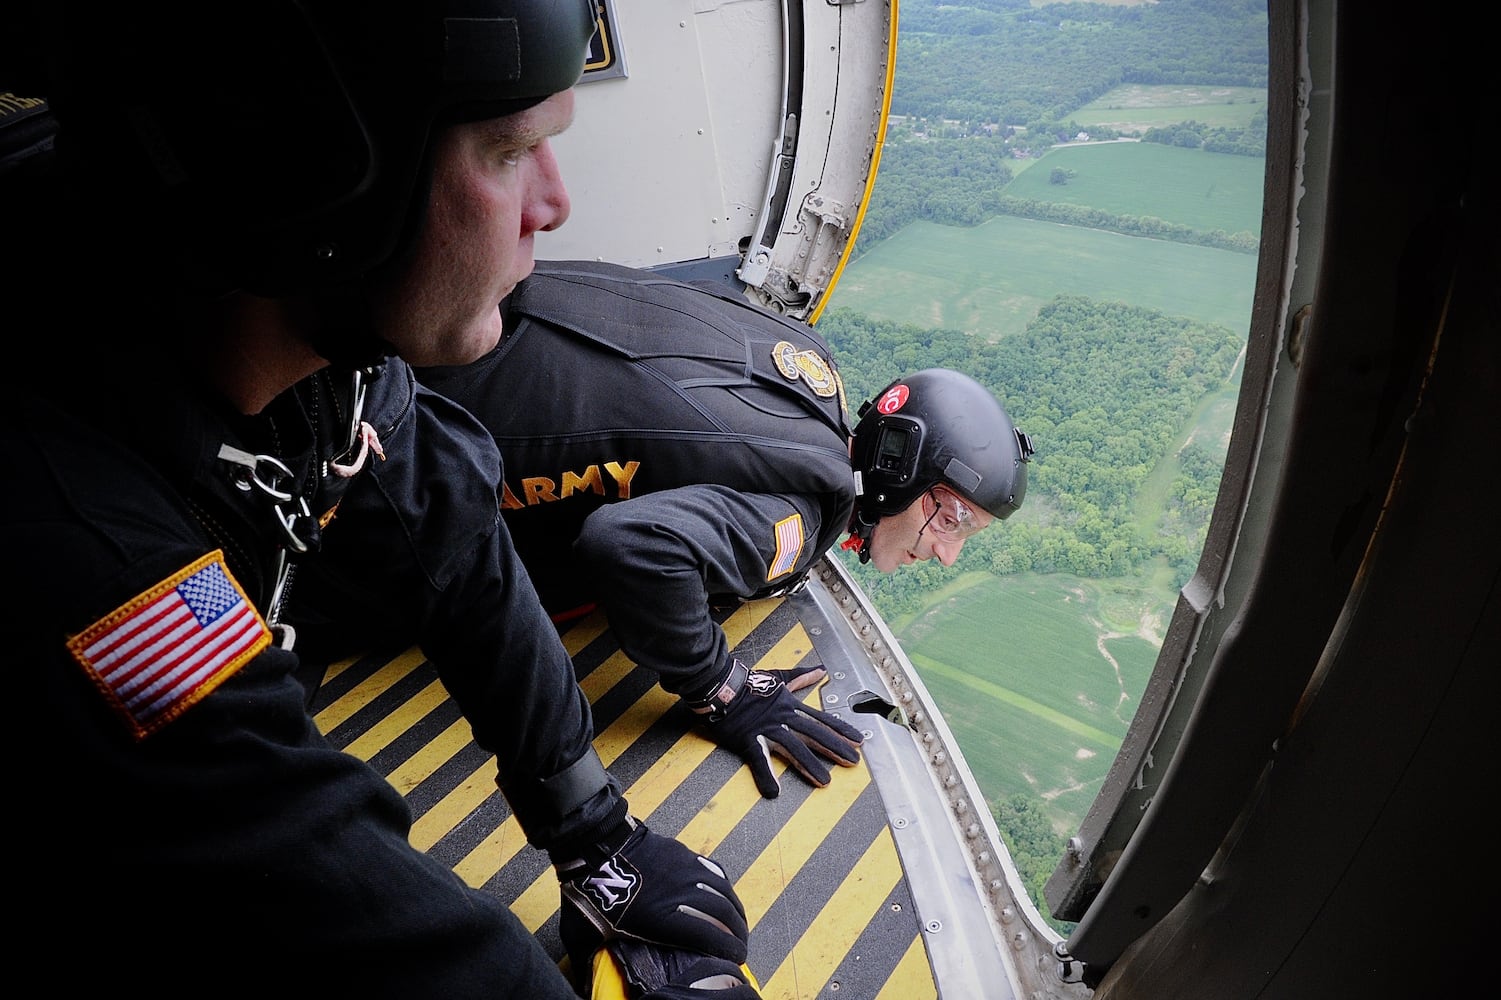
column 949, row 518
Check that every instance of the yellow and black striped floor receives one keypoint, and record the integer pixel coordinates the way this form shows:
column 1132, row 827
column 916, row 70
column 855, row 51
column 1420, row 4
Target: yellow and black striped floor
column 830, row 907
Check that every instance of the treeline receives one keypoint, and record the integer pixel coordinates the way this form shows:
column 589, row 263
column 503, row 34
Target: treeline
column 1249, row 141
column 1130, row 225
column 1034, row 849
column 908, row 191
column 951, row 182
column 1104, row 389
column 1006, row 61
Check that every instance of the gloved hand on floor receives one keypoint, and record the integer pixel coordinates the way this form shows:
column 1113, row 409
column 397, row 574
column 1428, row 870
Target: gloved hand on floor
column 636, row 885
column 755, row 714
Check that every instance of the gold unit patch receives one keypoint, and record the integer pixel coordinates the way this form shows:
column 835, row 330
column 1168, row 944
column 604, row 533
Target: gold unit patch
column 807, row 365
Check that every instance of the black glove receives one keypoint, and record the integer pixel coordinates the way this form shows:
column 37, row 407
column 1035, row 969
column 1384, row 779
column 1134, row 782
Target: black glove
column 755, row 714
column 639, row 886
column 653, row 973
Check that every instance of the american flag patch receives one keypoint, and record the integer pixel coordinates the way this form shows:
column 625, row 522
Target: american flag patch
column 158, row 654
column 789, row 532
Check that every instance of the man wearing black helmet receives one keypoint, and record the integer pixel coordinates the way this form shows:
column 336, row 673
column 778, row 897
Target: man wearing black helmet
column 667, row 445
column 938, row 459
column 275, row 207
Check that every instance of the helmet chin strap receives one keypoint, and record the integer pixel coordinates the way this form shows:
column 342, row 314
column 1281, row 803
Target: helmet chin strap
column 859, row 539
column 344, row 335
column 345, row 332
column 362, row 350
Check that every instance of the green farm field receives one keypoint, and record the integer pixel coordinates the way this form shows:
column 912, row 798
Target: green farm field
column 990, row 281
column 1134, row 108
column 1204, row 191
column 1044, row 711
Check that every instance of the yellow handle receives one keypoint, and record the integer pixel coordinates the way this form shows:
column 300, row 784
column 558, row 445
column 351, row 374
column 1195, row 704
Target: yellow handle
column 609, row 980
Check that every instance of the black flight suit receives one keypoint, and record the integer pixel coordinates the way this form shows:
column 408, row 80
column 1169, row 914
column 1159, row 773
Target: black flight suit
column 723, row 424
column 196, row 828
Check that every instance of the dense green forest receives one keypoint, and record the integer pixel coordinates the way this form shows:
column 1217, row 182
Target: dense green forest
column 1103, row 388
column 1009, row 62
column 1033, row 846
column 953, row 182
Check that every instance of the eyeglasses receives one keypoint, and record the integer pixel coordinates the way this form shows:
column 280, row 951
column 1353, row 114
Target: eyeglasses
column 950, row 518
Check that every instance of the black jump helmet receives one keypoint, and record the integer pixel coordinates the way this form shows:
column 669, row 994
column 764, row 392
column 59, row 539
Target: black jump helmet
column 285, row 143
column 936, row 426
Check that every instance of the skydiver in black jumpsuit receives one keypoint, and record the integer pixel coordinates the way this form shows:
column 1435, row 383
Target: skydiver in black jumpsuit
column 668, row 445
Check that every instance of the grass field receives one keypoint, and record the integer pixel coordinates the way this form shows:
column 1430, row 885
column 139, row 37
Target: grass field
column 1204, row 191
column 991, row 280
column 1044, row 710
column 1134, row 108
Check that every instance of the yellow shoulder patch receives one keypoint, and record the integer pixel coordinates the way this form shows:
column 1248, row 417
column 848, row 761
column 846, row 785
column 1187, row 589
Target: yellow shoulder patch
column 789, row 545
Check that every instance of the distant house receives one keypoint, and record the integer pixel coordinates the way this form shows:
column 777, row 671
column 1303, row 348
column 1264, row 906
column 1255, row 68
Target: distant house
column 1082, row 137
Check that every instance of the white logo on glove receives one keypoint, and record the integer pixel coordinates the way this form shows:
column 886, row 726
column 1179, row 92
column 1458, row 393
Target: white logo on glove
column 761, row 683
column 614, row 884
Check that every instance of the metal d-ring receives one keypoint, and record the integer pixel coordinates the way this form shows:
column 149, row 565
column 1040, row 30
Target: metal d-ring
column 265, row 473
column 260, row 472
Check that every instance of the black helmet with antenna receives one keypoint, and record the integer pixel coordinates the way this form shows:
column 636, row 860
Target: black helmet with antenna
column 936, row 426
